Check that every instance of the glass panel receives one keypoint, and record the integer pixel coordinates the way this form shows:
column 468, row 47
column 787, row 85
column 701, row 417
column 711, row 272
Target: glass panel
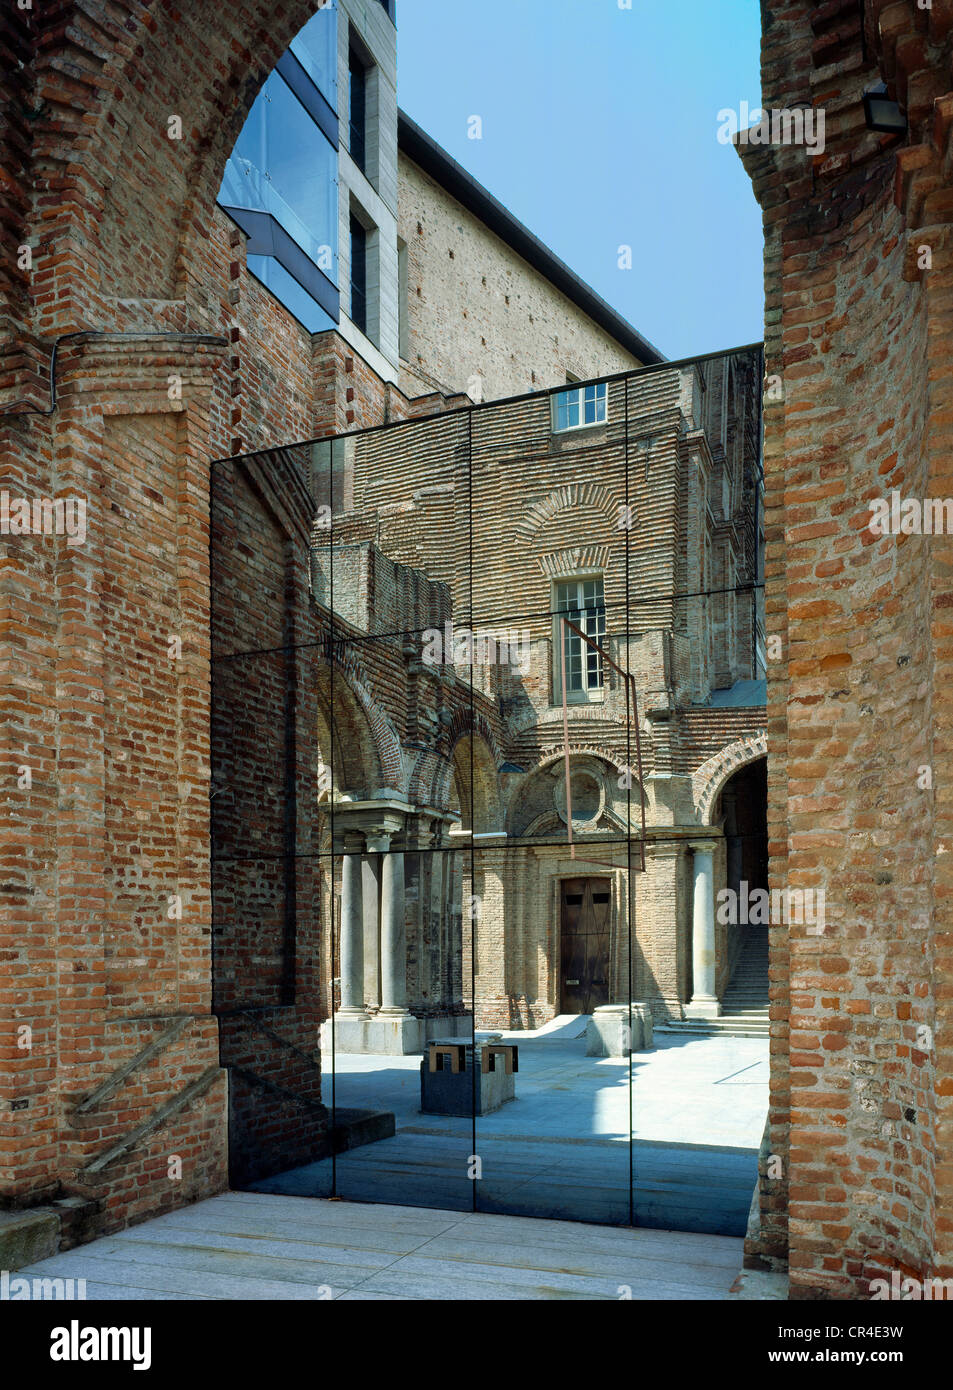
column 285, row 288
column 358, row 275
column 394, row 859
column 265, row 823
column 357, row 99
column 316, row 49
column 402, row 1028
column 283, row 164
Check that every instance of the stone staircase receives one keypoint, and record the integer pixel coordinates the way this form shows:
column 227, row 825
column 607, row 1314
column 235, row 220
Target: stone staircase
column 744, row 1006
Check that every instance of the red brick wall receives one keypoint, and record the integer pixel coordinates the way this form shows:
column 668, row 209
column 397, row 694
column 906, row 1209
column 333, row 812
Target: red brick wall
column 860, row 1022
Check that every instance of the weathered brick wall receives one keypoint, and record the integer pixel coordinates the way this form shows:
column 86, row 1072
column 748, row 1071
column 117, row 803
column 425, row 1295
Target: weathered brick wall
column 113, row 725
column 860, row 1018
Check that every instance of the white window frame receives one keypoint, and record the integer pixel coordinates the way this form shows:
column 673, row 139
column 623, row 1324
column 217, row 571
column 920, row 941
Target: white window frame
column 594, row 629
column 600, row 390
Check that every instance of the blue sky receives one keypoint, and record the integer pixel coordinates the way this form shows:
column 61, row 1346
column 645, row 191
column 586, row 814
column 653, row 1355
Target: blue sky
column 600, row 130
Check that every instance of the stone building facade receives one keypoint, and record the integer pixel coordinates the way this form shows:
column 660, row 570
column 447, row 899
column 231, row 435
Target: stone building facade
column 655, row 509
column 165, row 354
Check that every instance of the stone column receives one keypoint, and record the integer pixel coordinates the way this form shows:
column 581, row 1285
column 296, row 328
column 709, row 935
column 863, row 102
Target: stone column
column 393, row 936
column 371, row 878
column 352, row 930
column 455, row 928
column 704, row 1003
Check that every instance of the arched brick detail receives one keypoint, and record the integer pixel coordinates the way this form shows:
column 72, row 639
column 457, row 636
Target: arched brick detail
column 384, row 734
column 554, row 756
column 708, row 780
column 429, row 780
column 102, row 166
column 592, row 495
column 554, row 752
column 463, row 726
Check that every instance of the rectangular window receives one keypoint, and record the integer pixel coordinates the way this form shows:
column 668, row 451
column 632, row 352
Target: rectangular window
column 357, row 108
column 580, row 407
column 583, row 602
column 358, row 275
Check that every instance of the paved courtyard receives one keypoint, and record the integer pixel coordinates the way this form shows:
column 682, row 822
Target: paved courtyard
column 560, row 1149
column 245, row 1245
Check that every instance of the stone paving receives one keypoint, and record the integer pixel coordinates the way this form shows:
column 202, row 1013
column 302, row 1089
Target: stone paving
column 254, row 1246
column 698, row 1110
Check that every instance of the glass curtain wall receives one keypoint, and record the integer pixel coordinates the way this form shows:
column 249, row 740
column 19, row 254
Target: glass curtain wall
column 283, row 171
column 431, row 943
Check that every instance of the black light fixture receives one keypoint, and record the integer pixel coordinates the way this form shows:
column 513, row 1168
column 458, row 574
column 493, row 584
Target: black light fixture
column 882, row 113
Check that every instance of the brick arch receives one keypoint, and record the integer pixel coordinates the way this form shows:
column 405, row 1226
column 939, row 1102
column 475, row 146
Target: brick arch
column 592, row 495
column 462, row 727
column 389, row 762
column 430, row 779
column 135, row 203
column 554, row 752
column 554, row 756
column 708, row 780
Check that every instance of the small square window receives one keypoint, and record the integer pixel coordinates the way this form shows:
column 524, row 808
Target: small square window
column 580, row 406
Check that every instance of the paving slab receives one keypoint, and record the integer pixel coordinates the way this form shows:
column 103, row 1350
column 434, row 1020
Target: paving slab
column 222, row 1249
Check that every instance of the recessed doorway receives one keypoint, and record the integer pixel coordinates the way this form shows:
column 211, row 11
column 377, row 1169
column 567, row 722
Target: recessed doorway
column 584, row 944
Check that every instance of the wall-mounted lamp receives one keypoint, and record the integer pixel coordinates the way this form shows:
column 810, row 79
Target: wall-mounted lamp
column 882, row 113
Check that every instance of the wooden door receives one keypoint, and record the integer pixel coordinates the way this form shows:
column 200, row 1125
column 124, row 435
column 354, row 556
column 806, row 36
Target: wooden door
column 584, row 944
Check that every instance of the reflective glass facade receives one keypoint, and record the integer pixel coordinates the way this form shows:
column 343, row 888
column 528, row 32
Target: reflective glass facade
column 285, row 166
column 449, row 961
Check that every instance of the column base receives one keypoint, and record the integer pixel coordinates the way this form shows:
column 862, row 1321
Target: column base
column 704, row 1006
column 389, row 1035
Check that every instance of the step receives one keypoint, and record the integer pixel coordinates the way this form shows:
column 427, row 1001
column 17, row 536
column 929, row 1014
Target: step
column 28, row 1236
column 718, row 1027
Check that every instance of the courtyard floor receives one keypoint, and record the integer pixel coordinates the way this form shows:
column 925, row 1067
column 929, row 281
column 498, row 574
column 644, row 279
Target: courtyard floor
column 245, row 1245
column 560, row 1149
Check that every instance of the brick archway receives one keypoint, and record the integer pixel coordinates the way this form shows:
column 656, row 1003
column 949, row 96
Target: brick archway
column 126, row 208
column 708, row 780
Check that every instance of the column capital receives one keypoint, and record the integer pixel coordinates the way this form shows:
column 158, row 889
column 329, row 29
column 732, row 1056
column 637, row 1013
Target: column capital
column 703, row 846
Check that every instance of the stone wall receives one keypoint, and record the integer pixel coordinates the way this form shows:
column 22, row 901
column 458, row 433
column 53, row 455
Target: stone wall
column 478, row 313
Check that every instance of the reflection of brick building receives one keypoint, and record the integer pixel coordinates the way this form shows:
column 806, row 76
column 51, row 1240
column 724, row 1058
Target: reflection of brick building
column 358, row 721
column 520, row 518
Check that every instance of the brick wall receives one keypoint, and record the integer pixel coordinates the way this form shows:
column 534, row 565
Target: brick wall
column 860, row 1016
